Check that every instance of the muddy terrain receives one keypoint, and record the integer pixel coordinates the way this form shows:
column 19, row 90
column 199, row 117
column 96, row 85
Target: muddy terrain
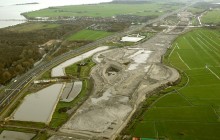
column 122, row 78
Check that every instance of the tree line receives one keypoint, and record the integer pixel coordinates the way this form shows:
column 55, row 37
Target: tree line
column 20, row 50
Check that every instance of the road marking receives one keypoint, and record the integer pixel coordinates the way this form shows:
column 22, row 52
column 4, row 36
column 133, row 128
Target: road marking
column 183, row 61
column 212, row 72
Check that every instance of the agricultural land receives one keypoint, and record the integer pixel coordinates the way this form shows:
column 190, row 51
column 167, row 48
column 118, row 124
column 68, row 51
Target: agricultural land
column 192, row 111
column 106, row 10
column 211, row 17
column 164, row 86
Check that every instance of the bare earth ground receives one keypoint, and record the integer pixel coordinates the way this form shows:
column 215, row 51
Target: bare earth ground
column 123, row 77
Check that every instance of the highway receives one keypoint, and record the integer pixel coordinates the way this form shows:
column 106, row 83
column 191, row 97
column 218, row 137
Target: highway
column 27, row 78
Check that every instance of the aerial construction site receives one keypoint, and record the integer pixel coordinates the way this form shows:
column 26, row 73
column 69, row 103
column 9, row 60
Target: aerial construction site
column 104, row 82
column 123, row 78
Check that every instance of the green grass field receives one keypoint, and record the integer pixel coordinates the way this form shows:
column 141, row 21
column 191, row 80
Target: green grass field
column 192, row 111
column 212, row 17
column 83, row 72
column 27, row 27
column 105, row 10
column 88, row 35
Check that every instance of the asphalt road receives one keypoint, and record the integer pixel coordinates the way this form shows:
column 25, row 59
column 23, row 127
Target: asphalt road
column 26, row 78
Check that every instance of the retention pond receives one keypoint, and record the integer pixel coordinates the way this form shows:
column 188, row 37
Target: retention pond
column 39, row 106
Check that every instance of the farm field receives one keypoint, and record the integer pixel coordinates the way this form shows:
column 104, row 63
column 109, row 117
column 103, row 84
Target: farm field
column 211, row 17
column 192, row 111
column 105, row 10
column 88, row 35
